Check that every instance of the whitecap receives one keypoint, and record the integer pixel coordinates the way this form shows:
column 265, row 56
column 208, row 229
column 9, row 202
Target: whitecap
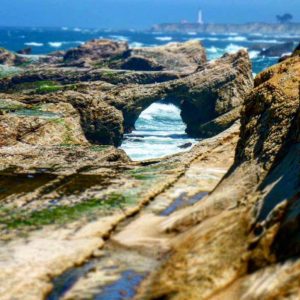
column 253, row 54
column 164, row 38
column 55, row 44
column 136, row 45
column 165, row 110
column 237, row 39
column 77, row 29
column 212, row 49
column 119, row 38
column 232, row 48
column 212, row 39
column 286, row 54
column 192, row 33
column 34, row 44
column 266, row 41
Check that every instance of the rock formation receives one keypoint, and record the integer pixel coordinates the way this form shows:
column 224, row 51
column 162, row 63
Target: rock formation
column 218, row 222
column 107, row 111
column 11, row 59
column 278, row 50
column 181, row 57
column 95, row 52
column 242, row 242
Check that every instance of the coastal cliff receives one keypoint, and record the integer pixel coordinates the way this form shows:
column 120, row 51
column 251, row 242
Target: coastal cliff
column 263, row 28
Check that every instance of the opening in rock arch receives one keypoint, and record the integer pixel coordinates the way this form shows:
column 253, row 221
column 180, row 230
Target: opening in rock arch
column 159, row 131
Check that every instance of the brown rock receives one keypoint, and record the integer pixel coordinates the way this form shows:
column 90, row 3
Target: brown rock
column 95, row 51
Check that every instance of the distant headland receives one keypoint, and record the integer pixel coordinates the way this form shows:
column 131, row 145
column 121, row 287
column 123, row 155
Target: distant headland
column 247, row 28
column 283, row 25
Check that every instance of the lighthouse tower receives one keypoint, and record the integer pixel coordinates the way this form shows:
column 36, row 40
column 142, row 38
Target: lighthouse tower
column 200, row 17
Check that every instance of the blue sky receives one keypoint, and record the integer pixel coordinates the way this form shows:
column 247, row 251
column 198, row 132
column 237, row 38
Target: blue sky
column 128, row 14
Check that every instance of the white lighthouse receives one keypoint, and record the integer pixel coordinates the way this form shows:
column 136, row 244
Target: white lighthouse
column 200, row 17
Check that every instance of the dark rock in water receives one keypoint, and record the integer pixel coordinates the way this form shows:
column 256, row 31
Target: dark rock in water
column 295, row 53
column 185, row 146
column 25, row 51
column 95, row 52
column 278, row 50
column 261, row 46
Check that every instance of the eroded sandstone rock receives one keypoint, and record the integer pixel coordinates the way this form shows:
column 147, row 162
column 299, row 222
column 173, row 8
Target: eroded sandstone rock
column 255, row 207
column 11, row 59
column 95, row 51
column 181, row 57
column 107, row 111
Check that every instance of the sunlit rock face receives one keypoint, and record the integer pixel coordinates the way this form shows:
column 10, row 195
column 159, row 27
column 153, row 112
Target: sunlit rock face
column 242, row 241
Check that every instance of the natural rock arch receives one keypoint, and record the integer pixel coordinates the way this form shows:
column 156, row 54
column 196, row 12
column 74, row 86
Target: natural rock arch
column 202, row 97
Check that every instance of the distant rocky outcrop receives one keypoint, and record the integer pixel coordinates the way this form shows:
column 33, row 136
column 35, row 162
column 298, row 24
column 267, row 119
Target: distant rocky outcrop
column 278, row 50
column 264, row 28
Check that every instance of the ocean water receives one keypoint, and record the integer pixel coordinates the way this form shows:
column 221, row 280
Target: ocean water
column 159, row 130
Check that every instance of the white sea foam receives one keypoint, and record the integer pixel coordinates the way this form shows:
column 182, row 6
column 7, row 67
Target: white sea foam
column 55, row 44
column 233, row 48
column 212, row 49
column 192, row 33
column 237, row 39
column 34, row 44
column 136, row 45
column 266, row 41
column 77, row 29
column 60, row 44
column 164, row 38
column 159, row 132
column 163, row 110
column 119, row 38
column 286, row 54
column 253, row 54
column 213, row 39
